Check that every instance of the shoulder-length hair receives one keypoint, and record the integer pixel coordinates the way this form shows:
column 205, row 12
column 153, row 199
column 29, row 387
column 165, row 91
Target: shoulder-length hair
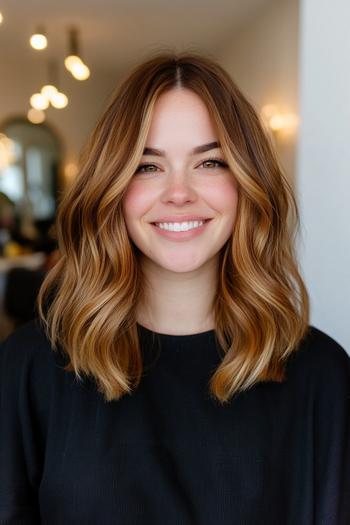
column 88, row 300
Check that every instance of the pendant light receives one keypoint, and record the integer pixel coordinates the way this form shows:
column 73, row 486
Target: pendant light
column 73, row 61
column 38, row 40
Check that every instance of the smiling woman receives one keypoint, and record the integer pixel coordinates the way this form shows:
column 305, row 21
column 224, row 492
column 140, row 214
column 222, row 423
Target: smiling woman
column 169, row 203
column 172, row 375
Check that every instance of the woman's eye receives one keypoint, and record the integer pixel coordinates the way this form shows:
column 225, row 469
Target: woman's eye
column 145, row 166
column 221, row 163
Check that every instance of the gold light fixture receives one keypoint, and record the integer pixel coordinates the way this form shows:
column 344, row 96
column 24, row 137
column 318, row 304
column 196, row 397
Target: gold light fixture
column 59, row 100
column 38, row 40
column 73, row 61
column 50, row 91
column 80, row 71
column 36, row 116
column 38, row 101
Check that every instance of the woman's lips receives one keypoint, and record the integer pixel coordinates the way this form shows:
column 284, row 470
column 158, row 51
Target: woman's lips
column 182, row 235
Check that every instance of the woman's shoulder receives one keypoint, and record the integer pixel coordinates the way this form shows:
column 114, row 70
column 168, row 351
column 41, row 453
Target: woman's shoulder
column 322, row 359
column 29, row 371
column 317, row 344
column 25, row 345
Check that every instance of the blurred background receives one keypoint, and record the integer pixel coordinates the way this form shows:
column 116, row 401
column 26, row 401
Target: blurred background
column 61, row 61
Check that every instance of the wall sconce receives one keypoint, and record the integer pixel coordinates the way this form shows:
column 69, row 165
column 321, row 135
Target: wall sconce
column 279, row 121
column 38, row 40
column 1, row 18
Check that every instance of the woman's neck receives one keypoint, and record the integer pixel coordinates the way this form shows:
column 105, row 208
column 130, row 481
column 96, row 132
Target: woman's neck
column 178, row 303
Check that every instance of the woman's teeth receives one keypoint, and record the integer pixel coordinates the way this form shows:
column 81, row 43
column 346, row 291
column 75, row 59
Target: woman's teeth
column 179, row 226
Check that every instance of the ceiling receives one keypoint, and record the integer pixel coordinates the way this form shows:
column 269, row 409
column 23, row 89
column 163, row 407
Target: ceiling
column 116, row 33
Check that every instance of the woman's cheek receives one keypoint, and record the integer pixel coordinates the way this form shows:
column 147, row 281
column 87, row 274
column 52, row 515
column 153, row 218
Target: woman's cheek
column 137, row 200
column 223, row 195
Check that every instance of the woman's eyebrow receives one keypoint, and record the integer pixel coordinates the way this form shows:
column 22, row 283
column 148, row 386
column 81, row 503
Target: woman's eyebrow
column 197, row 149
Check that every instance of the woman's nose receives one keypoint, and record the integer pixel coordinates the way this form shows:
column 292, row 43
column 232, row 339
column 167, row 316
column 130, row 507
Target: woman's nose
column 179, row 189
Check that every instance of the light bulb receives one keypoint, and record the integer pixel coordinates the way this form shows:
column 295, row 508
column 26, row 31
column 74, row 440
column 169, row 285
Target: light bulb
column 36, row 116
column 80, row 71
column 59, row 100
column 71, row 60
column 38, row 101
column 48, row 91
column 38, row 41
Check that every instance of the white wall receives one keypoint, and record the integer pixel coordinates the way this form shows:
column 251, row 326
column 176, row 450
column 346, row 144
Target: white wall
column 324, row 163
column 263, row 59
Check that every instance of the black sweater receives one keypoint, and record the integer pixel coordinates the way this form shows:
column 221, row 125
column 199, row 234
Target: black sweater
column 277, row 454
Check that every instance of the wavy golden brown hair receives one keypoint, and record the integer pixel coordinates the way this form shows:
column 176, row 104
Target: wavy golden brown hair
column 88, row 300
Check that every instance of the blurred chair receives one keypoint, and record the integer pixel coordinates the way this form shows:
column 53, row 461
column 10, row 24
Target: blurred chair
column 20, row 293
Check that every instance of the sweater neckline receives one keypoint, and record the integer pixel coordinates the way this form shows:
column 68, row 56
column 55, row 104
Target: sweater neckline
column 177, row 337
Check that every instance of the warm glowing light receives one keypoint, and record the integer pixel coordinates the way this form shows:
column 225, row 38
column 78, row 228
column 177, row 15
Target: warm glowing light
column 268, row 110
column 80, row 71
column 48, row 91
column 70, row 170
column 38, row 101
column 59, row 100
column 1, row 18
column 76, row 66
column 278, row 120
column 7, row 151
column 35, row 116
column 291, row 120
column 38, row 41
column 287, row 121
column 71, row 60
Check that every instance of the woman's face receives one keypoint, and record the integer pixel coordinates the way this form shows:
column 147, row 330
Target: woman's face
column 179, row 185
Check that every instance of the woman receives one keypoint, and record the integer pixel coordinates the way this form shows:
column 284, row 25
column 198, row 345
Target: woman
column 171, row 376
